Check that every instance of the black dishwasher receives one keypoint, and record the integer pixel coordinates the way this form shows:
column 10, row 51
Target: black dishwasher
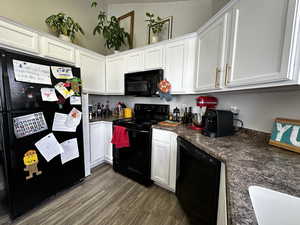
column 197, row 184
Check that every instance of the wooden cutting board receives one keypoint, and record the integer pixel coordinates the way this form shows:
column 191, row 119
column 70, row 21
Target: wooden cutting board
column 169, row 123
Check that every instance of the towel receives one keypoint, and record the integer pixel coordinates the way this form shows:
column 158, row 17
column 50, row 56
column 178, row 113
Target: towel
column 120, row 137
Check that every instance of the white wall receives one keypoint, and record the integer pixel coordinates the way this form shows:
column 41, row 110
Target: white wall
column 33, row 13
column 218, row 4
column 257, row 109
column 188, row 16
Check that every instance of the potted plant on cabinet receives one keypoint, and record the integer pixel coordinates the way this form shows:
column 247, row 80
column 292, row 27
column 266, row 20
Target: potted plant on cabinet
column 155, row 25
column 65, row 27
column 114, row 35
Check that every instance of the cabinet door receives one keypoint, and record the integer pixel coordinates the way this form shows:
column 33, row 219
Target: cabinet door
column 108, row 145
column 92, row 72
column 260, row 42
column 154, row 58
column 175, row 65
column 212, row 44
column 115, row 70
column 135, row 62
column 17, row 37
column 96, row 144
column 58, row 50
column 160, row 169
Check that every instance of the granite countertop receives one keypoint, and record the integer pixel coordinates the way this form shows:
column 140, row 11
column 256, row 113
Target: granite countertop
column 249, row 161
column 106, row 119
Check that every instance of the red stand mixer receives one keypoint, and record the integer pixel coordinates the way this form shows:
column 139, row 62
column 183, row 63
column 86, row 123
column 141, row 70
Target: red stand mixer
column 204, row 103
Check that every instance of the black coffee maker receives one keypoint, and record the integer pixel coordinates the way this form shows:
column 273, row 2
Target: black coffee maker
column 218, row 123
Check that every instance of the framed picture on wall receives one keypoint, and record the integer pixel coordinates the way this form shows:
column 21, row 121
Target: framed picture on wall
column 127, row 22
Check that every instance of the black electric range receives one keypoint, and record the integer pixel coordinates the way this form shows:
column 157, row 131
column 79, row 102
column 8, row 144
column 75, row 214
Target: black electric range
column 135, row 161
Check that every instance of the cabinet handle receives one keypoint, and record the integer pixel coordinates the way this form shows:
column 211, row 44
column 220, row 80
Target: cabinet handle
column 228, row 68
column 217, row 77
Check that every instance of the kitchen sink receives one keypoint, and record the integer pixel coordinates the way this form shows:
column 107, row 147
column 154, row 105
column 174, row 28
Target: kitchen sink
column 274, row 208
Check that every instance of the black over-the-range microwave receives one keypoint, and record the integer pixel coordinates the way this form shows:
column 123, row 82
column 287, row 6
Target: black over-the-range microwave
column 144, row 84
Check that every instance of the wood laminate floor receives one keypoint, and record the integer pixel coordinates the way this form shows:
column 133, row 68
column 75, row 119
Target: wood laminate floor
column 106, row 198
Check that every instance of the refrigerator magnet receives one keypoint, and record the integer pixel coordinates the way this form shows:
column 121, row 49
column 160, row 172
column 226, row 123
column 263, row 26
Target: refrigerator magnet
column 31, row 161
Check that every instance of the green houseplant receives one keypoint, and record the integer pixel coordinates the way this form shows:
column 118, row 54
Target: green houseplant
column 156, row 26
column 115, row 36
column 64, row 26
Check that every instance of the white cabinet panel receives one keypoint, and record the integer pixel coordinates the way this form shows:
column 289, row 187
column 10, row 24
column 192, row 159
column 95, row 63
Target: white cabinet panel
column 58, row 50
column 164, row 158
column 161, row 162
column 115, row 69
column 135, row 62
column 92, row 72
column 96, row 144
column 108, row 127
column 154, row 58
column 212, row 46
column 260, row 42
column 175, row 65
column 17, row 37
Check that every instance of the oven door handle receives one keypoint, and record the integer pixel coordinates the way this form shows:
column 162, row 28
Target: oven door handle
column 138, row 131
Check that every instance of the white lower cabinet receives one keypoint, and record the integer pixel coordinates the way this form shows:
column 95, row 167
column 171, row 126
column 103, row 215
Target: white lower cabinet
column 108, row 153
column 163, row 162
column 100, row 146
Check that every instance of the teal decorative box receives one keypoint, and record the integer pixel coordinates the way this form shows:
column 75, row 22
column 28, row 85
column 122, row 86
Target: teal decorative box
column 286, row 134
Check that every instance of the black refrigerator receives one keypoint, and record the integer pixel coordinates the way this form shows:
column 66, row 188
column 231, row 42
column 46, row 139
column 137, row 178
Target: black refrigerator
column 24, row 98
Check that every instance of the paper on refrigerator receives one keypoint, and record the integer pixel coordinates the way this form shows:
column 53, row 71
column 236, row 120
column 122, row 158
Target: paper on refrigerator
column 62, row 72
column 49, row 95
column 31, row 72
column 59, row 123
column 29, row 124
column 49, row 147
column 75, row 100
column 60, row 87
column 70, row 150
column 74, row 118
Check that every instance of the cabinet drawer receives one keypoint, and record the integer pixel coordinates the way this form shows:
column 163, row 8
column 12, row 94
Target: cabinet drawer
column 57, row 50
column 161, row 135
column 17, row 37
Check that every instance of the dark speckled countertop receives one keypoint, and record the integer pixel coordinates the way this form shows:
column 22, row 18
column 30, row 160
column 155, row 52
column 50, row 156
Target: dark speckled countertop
column 249, row 161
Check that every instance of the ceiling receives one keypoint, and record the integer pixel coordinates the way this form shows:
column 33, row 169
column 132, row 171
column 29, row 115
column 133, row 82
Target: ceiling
column 140, row 1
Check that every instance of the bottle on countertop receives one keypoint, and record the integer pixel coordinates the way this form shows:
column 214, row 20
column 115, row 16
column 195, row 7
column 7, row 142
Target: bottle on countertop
column 176, row 115
column 185, row 116
column 190, row 115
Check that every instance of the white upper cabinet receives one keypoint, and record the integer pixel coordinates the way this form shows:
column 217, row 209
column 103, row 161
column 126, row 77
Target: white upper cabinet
column 92, row 72
column 57, row 50
column 135, row 62
column 260, row 42
column 153, row 58
column 212, row 47
column 17, row 37
column 175, row 65
column 115, row 70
